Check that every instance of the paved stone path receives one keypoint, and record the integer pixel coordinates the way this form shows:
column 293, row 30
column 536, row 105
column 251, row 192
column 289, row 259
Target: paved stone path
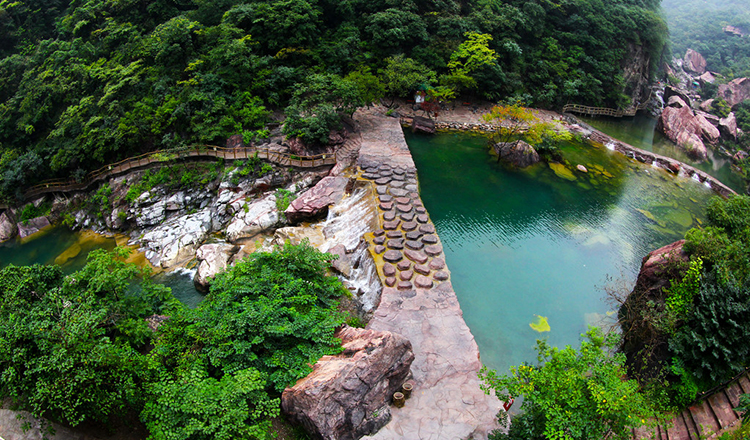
column 418, row 300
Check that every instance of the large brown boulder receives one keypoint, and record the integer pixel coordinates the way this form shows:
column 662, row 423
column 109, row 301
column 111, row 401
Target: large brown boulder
column 680, row 126
column 735, row 91
column 694, row 62
column 423, row 125
column 519, row 154
column 8, row 227
column 644, row 345
column 314, row 202
column 347, row 396
column 706, row 129
column 670, row 91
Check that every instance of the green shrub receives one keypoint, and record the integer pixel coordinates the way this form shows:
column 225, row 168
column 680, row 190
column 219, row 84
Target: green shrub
column 30, row 211
column 283, row 199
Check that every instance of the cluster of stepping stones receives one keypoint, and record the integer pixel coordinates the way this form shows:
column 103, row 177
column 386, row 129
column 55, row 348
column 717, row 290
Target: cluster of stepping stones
column 411, row 253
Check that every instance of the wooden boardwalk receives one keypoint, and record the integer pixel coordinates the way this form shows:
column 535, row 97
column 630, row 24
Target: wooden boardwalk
column 164, row 156
column 705, row 419
column 603, row 111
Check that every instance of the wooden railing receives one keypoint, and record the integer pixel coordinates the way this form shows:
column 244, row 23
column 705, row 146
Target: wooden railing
column 200, row 151
column 603, row 111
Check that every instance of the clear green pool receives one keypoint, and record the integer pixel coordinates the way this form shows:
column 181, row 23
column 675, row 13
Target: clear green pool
column 524, row 244
column 69, row 249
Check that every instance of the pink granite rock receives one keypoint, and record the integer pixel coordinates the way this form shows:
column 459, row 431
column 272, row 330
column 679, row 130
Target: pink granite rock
column 348, row 395
column 707, row 130
column 314, row 202
column 735, row 91
column 680, row 126
column 728, row 126
column 694, row 62
column 8, row 227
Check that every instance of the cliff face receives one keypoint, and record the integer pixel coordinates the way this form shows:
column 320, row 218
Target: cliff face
column 636, row 71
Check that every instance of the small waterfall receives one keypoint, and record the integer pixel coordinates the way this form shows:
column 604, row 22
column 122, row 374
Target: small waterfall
column 346, row 224
column 610, row 146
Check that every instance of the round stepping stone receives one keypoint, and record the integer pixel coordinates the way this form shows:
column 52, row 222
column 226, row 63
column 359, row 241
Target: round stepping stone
column 427, row 229
column 416, row 245
column 370, row 176
column 429, row 239
column 390, row 281
column 379, row 240
column 382, row 190
column 394, row 234
column 379, row 249
column 378, row 232
column 404, row 285
column 423, row 282
column 407, row 216
column 403, row 208
column 398, row 177
column 393, row 256
column 419, row 209
column 414, row 195
column 386, row 206
column 384, row 167
column 399, row 171
column 385, row 173
column 409, row 226
column 413, row 235
column 437, row 264
column 391, row 224
column 389, row 270
column 395, row 244
column 406, row 275
column 416, row 256
column 440, row 276
column 403, row 200
column 389, row 216
column 411, row 187
column 383, row 181
column 433, row 250
column 422, row 269
column 422, row 218
column 398, row 192
column 404, row 265
column 386, row 198
column 396, row 184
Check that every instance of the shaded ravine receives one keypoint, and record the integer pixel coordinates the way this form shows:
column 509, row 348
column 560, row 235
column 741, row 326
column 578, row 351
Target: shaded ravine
column 418, row 300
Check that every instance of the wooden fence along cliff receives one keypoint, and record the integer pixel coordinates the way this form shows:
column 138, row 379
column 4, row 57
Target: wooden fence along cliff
column 201, row 151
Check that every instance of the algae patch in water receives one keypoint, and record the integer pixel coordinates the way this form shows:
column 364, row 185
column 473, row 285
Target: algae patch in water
column 540, row 324
column 562, row 171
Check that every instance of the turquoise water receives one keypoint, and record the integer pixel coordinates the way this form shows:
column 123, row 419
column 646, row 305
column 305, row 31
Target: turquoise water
column 640, row 131
column 522, row 244
column 69, row 249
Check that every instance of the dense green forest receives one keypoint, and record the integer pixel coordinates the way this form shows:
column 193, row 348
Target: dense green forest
column 698, row 24
column 86, row 82
column 77, row 348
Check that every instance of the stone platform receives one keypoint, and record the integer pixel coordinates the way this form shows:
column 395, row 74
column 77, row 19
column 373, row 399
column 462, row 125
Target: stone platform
column 418, row 300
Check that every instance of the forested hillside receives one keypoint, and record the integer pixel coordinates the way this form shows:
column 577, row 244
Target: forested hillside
column 699, row 24
column 86, row 82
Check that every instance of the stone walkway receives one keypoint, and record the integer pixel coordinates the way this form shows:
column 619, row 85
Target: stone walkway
column 418, row 300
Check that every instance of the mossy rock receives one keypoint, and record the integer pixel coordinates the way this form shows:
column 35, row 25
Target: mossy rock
column 562, row 171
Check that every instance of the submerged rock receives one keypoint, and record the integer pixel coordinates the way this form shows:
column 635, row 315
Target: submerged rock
column 347, row 396
column 519, row 153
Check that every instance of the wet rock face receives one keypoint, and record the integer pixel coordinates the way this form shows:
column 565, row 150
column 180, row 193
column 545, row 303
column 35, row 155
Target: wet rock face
column 644, row 345
column 213, row 258
column 694, row 62
column 32, row 226
column 519, row 154
column 315, row 202
column 347, row 396
column 8, row 227
column 423, row 125
column 735, row 91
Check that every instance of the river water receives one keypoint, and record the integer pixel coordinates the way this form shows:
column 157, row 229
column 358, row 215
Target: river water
column 533, row 248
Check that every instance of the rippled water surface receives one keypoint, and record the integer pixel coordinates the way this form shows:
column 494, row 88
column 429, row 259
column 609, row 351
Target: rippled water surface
column 541, row 242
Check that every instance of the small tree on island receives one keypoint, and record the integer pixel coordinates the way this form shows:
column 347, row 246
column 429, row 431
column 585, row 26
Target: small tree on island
column 517, row 122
